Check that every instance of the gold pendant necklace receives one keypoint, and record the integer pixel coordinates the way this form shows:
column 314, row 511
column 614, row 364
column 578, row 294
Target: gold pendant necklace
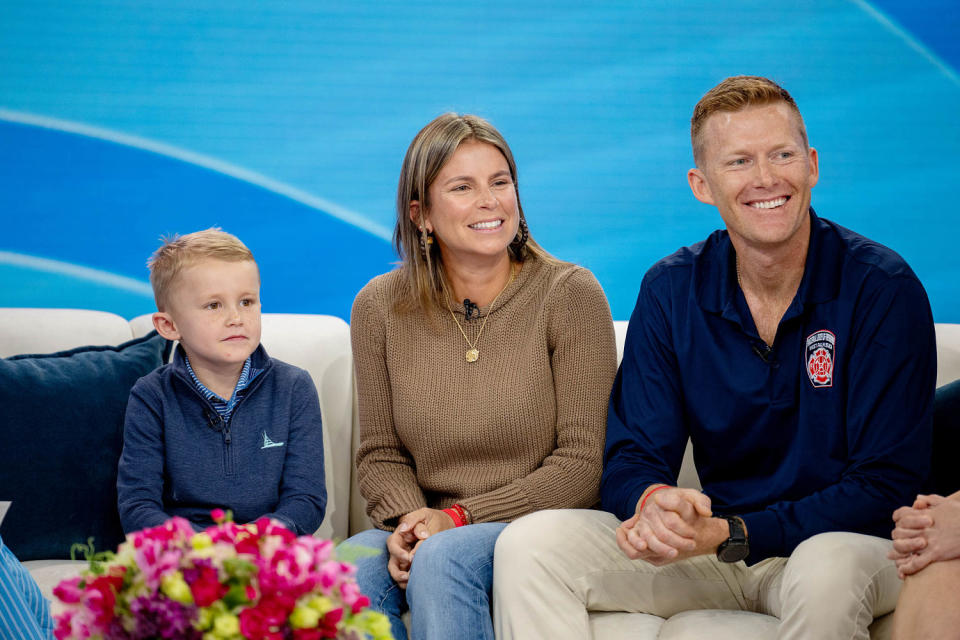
column 473, row 354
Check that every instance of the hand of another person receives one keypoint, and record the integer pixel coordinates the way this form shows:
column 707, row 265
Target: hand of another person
column 413, row 528
column 940, row 539
column 911, row 523
column 672, row 525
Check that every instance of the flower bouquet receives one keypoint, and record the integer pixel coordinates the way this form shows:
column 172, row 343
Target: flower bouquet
column 229, row 582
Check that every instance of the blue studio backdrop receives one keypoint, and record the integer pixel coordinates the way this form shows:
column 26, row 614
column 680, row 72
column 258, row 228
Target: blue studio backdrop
column 286, row 123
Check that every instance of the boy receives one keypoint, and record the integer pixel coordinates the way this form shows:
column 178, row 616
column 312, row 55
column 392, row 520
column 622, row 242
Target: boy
column 223, row 425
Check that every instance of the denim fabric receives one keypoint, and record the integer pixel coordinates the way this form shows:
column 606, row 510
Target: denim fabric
column 448, row 594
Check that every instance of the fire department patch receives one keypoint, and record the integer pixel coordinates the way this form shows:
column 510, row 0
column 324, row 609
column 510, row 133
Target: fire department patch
column 821, row 350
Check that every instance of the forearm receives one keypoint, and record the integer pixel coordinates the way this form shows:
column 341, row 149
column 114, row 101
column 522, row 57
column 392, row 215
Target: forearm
column 637, row 460
column 646, row 435
column 301, row 514
column 555, row 485
column 303, row 493
column 302, row 504
column 139, row 499
column 140, row 469
column 716, row 531
column 853, row 504
column 385, row 469
column 625, row 484
column 390, row 490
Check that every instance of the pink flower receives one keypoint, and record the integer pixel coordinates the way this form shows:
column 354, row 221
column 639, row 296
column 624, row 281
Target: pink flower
column 69, row 591
column 270, row 571
column 206, row 589
column 247, row 542
column 100, row 599
column 218, row 515
column 252, row 623
column 329, row 622
column 353, row 598
column 75, row 623
column 64, row 625
column 329, row 574
column 265, row 621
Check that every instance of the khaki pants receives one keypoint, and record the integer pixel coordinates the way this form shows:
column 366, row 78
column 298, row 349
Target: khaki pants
column 553, row 567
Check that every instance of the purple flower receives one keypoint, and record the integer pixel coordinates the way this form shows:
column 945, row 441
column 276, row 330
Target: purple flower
column 162, row 618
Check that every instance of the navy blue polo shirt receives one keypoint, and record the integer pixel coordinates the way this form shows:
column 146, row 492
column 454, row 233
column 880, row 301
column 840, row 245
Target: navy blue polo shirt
column 828, row 430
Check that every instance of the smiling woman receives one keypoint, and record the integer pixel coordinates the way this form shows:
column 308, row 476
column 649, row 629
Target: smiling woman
column 475, row 215
column 483, row 368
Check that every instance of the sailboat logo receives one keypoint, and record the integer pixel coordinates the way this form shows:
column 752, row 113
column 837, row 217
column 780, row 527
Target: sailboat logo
column 268, row 443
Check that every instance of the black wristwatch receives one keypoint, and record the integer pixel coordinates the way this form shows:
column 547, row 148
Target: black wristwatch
column 735, row 548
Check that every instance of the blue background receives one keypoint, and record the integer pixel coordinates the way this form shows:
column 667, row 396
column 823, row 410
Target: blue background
column 286, row 122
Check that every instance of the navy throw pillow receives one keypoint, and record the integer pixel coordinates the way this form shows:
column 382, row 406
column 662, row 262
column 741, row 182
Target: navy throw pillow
column 61, row 424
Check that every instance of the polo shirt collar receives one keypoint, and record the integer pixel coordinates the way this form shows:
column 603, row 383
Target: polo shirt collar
column 715, row 272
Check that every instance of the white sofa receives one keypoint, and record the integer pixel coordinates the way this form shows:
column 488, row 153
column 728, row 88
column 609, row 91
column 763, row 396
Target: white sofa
column 321, row 345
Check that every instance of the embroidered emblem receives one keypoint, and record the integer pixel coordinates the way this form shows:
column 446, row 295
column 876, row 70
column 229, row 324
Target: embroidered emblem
column 268, row 443
column 820, row 357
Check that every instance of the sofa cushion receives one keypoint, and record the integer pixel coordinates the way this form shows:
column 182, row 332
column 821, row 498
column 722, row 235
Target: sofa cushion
column 61, row 426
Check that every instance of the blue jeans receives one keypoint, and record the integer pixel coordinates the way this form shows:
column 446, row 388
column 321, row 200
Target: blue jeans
column 448, row 594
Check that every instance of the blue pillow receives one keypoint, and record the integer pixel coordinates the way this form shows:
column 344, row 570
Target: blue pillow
column 61, row 429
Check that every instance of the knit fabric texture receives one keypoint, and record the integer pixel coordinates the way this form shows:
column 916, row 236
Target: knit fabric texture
column 520, row 429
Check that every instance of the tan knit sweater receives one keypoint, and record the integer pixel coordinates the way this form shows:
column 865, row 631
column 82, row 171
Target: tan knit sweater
column 520, row 429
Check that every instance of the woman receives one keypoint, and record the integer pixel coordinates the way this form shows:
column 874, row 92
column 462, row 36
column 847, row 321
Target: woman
column 483, row 369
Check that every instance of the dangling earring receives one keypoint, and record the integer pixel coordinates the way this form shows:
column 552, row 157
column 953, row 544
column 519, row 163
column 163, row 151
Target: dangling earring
column 426, row 241
column 523, row 234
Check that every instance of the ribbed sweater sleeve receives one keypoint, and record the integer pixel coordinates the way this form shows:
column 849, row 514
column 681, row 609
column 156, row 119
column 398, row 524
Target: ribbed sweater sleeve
column 520, row 429
column 385, row 470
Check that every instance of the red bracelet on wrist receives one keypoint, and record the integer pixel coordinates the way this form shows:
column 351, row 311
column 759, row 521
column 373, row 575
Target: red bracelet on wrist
column 650, row 493
column 458, row 514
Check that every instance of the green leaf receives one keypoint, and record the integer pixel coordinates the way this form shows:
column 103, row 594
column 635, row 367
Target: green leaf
column 349, row 552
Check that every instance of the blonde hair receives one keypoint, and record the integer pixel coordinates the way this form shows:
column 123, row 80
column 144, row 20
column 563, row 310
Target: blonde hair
column 429, row 151
column 178, row 252
column 735, row 94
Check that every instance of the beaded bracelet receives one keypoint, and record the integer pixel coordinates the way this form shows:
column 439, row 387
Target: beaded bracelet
column 458, row 514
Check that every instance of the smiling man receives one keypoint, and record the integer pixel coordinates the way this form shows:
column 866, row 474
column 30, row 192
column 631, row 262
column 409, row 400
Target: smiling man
column 799, row 359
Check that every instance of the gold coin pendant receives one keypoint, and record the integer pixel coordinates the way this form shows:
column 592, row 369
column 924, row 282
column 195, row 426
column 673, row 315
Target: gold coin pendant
column 472, row 355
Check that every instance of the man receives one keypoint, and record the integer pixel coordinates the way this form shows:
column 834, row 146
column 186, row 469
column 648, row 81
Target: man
column 799, row 358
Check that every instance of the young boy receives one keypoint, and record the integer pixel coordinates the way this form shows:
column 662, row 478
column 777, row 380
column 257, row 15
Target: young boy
column 223, row 425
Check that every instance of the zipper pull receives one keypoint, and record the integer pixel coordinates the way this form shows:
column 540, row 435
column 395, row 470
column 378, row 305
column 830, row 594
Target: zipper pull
column 226, row 434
